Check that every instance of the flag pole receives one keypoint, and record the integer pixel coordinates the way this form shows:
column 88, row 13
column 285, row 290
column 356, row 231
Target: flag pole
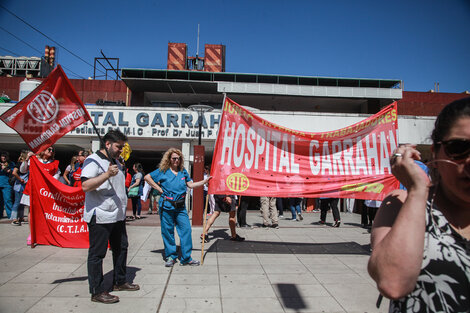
column 203, row 227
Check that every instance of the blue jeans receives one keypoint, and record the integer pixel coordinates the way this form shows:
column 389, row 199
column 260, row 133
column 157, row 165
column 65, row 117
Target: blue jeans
column 294, row 204
column 179, row 218
column 17, row 210
column 136, row 205
column 7, row 201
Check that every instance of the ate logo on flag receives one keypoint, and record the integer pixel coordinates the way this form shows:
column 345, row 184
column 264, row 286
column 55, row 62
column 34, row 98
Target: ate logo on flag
column 44, row 107
column 48, row 112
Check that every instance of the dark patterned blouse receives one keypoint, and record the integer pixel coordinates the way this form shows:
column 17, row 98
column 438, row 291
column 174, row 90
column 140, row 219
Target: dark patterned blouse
column 443, row 284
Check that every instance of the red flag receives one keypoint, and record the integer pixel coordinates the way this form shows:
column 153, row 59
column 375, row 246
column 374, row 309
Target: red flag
column 48, row 112
column 253, row 157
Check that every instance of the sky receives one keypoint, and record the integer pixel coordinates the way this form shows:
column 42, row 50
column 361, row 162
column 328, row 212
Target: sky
column 421, row 42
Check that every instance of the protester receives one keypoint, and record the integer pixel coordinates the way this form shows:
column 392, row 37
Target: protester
column 154, row 197
column 77, row 171
column 245, row 203
column 327, row 204
column 223, row 203
column 137, row 182
column 17, row 212
column 421, row 237
column 369, row 211
column 294, row 204
column 269, row 212
column 5, row 186
column 281, row 203
column 172, row 179
column 46, row 157
column 206, row 187
column 69, row 170
column 105, row 212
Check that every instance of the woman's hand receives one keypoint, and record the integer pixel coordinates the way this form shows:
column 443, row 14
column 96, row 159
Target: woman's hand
column 207, row 179
column 406, row 170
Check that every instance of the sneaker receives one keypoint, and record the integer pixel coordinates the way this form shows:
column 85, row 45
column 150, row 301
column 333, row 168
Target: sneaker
column 321, row 222
column 297, row 218
column 337, row 223
column 16, row 223
column 300, row 217
column 276, row 226
column 191, row 263
column 237, row 238
column 281, row 216
column 265, row 226
column 293, row 219
column 170, row 262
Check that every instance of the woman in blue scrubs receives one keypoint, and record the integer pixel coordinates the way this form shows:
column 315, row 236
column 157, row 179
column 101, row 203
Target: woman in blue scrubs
column 172, row 179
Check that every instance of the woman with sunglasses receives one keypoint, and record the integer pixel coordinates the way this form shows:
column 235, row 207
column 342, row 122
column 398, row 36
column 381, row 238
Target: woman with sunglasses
column 421, row 237
column 46, row 157
column 171, row 179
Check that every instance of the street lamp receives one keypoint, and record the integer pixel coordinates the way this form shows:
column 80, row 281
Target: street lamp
column 198, row 167
column 200, row 109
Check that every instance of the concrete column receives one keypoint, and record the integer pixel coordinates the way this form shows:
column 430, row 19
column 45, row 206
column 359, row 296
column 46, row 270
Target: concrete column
column 186, row 150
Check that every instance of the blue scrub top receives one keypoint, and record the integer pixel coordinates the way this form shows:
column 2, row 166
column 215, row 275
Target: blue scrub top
column 174, row 186
column 4, row 176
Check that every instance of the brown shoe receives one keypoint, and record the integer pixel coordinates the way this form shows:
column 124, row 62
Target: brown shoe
column 104, row 297
column 126, row 287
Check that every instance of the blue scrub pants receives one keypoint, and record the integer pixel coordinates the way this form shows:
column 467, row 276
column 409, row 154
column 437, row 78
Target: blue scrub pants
column 7, row 199
column 179, row 218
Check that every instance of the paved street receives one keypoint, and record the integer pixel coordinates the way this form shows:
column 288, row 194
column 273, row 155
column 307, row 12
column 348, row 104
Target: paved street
column 301, row 267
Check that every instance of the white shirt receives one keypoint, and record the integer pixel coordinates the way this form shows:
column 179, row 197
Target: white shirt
column 109, row 201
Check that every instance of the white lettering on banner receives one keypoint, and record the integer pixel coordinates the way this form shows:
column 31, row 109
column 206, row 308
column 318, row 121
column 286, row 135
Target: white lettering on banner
column 250, row 147
column 57, row 207
column 228, row 143
column 372, row 158
column 294, row 166
column 72, row 229
column 58, row 196
column 348, row 157
column 44, row 107
column 275, row 139
column 238, row 155
column 314, row 161
column 44, row 136
column 72, row 116
column 361, row 155
column 63, row 219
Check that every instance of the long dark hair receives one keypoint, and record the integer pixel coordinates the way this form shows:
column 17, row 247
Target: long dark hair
column 446, row 119
column 139, row 168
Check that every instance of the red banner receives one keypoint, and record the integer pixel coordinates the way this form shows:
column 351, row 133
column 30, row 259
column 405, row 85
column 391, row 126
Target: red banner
column 254, row 157
column 48, row 112
column 56, row 210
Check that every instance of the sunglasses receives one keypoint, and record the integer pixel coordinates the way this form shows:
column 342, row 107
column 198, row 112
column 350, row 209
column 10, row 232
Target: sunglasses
column 50, row 149
column 456, row 149
column 175, row 159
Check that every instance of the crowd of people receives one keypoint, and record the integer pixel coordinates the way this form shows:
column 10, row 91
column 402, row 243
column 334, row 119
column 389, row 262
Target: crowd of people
column 420, row 237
